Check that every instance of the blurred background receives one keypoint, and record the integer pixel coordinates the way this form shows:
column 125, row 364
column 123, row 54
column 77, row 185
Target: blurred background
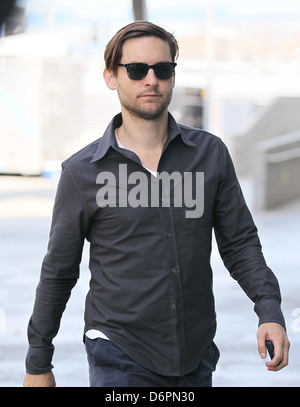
column 237, row 77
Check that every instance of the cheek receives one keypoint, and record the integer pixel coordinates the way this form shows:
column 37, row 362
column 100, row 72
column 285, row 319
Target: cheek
column 168, row 88
column 126, row 95
column 129, row 91
column 168, row 85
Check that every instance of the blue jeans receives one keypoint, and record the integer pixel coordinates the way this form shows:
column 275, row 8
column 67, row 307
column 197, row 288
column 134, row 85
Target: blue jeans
column 109, row 366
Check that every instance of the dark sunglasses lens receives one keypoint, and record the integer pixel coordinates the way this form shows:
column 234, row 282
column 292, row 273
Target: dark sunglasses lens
column 164, row 70
column 137, row 71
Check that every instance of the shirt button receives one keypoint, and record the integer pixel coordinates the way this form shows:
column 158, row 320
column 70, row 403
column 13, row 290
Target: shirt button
column 169, row 234
column 173, row 306
column 173, row 270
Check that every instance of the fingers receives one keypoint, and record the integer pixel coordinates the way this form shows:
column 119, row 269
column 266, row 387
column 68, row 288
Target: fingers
column 261, row 344
column 280, row 360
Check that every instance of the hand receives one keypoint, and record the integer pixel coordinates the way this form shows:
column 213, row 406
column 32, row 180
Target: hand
column 277, row 334
column 39, row 380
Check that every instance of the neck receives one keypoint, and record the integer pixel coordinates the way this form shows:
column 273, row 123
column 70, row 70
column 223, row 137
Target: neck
column 145, row 138
column 139, row 134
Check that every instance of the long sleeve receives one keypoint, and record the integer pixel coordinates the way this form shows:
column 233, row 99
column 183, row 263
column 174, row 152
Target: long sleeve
column 59, row 273
column 240, row 247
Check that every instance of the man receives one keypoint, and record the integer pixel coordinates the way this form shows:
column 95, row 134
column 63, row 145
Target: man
column 146, row 196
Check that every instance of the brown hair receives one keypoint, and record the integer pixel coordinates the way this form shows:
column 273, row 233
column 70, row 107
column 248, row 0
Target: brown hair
column 113, row 51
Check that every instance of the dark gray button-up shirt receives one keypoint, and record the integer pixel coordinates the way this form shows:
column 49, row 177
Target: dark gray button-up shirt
column 151, row 279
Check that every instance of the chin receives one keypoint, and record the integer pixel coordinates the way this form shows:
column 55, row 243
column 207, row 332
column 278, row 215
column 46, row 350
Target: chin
column 148, row 114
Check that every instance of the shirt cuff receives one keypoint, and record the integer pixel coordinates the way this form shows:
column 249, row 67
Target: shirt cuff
column 38, row 361
column 269, row 310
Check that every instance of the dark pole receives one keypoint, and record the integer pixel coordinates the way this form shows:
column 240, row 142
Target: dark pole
column 139, row 9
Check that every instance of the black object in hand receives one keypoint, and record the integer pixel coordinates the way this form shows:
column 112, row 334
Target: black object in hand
column 270, row 347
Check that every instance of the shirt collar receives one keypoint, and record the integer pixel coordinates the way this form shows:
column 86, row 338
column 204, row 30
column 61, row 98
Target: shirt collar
column 109, row 140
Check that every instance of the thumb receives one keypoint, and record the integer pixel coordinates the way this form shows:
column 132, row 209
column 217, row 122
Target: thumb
column 261, row 344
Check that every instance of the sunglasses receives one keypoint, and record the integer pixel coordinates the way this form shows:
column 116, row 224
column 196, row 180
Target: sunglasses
column 138, row 71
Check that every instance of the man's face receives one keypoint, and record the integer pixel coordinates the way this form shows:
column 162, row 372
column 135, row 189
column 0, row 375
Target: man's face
column 150, row 97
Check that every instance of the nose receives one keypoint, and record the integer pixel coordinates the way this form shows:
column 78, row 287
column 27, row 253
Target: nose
column 151, row 78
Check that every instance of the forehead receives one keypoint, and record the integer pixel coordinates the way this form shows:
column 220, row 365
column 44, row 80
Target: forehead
column 145, row 49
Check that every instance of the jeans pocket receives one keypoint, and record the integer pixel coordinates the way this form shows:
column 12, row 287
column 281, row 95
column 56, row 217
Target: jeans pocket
column 107, row 354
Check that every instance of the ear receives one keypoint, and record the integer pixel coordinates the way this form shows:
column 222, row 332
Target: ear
column 110, row 79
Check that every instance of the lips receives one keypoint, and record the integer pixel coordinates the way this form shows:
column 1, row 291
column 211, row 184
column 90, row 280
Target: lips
column 150, row 95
